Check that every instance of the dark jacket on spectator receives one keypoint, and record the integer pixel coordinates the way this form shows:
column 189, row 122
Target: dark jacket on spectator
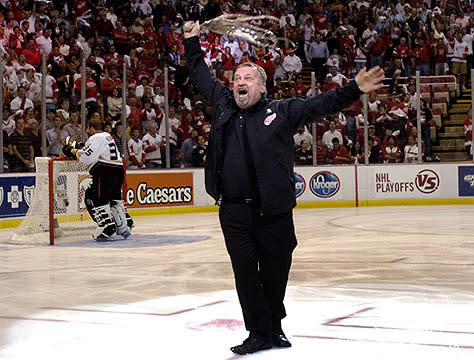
column 269, row 129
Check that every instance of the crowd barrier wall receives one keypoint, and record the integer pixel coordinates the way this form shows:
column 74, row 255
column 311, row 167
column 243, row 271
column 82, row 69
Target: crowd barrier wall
column 182, row 190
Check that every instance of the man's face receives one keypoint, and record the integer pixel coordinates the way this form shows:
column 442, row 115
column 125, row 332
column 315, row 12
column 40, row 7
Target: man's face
column 152, row 128
column 248, row 87
column 20, row 124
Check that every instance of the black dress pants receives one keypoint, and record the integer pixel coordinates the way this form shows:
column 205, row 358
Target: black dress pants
column 260, row 250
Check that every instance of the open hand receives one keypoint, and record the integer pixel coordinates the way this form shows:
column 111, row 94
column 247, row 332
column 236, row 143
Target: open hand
column 370, row 80
column 191, row 29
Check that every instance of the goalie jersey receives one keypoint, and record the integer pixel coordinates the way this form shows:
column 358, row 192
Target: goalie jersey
column 100, row 148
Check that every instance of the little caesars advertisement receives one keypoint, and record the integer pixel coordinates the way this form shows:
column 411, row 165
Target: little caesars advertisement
column 148, row 190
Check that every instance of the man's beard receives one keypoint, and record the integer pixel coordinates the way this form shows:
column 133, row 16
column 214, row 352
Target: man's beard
column 242, row 102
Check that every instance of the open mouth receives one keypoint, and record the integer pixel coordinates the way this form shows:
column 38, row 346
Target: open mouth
column 242, row 92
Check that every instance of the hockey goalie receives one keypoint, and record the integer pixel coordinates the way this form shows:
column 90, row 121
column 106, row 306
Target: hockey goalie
column 103, row 198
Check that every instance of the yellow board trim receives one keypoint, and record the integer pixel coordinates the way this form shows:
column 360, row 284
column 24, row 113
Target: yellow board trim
column 325, row 204
column 5, row 224
column 407, row 202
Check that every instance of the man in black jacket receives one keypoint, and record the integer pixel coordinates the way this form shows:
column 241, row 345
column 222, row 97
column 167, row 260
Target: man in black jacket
column 249, row 170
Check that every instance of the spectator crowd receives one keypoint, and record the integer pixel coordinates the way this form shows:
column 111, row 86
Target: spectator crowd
column 334, row 38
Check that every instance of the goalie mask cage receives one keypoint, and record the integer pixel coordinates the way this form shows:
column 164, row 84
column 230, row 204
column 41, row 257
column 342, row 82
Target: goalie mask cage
column 57, row 210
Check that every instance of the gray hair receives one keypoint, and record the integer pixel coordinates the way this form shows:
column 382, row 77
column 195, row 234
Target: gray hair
column 263, row 75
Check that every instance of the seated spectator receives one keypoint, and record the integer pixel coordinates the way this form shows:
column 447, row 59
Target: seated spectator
column 279, row 88
column 398, row 125
column 302, row 134
column 373, row 151
column 200, row 152
column 329, row 84
column 382, row 120
column 376, row 139
column 300, row 88
column 292, row 64
column 334, row 60
column 391, row 153
column 357, row 153
column 338, row 153
column 330, row 134
column 303, row 154
column 411, row 150
column 321, row 151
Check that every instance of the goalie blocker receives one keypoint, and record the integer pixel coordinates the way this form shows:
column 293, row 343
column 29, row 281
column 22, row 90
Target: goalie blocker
column 103, row 198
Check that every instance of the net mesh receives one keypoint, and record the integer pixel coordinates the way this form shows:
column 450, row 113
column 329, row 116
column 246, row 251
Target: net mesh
column 70, row 180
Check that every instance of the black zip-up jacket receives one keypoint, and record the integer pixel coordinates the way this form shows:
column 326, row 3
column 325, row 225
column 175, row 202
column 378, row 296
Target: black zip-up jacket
column 270, row 132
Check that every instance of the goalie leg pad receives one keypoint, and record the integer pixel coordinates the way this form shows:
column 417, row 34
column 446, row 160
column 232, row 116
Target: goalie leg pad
column 119, row 212
column 89, row 197
column 105, row 221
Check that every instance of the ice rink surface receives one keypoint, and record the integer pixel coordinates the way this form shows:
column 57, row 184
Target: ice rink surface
column 367, row 283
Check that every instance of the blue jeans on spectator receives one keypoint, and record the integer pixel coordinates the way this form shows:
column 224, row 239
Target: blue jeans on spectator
column 359, row 65
column 426, row 132
column 424, row 69
column 351, row 127
column 172, row 156
column 152, row 165
column 376, row 60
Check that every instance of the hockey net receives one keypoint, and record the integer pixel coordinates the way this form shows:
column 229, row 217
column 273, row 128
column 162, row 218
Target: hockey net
column 57, row 211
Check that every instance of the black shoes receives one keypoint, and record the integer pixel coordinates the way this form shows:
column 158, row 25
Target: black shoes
column 250, row 345
column 279, row 339
column 253, row 344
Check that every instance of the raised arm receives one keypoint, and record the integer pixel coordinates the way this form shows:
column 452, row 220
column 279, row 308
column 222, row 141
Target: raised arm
column 202, row 78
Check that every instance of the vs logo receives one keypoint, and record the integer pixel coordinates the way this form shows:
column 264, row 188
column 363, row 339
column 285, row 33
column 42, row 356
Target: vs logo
column 427, row 181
